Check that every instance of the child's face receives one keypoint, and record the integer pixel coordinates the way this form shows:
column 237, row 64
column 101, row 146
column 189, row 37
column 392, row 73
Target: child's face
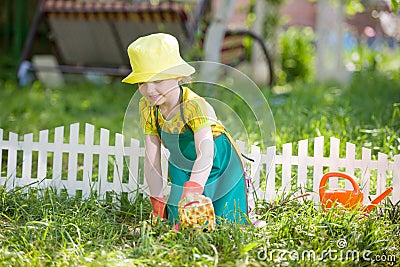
column 159, row 92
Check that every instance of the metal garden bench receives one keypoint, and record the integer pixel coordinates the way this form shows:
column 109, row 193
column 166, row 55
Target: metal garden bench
column 92, row 36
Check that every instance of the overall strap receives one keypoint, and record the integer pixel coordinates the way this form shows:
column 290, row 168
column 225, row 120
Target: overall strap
column 158, row 125
column 181, row 111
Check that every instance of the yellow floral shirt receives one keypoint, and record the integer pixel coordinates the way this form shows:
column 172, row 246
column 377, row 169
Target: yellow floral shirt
column 197, row 114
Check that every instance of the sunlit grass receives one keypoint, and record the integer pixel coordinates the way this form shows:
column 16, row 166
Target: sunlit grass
column 33, row 108
column 365, row 112
column 59, row 231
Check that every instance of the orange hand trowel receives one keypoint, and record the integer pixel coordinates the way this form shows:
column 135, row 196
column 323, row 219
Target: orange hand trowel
column 347, row 198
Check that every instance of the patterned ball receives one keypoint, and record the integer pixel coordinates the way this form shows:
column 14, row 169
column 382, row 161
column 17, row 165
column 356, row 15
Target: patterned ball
column 196, row 211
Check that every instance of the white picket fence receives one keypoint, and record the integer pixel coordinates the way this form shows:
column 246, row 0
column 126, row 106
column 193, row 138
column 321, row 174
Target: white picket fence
column 84, row 167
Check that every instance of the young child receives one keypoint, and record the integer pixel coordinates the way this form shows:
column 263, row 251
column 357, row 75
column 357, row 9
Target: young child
column 203, row 157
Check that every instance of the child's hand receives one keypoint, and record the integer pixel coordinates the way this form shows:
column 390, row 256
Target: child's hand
column 159, row 209
column 192, row 188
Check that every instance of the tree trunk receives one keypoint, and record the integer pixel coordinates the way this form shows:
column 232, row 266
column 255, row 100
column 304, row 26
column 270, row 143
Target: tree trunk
column 259, row 68
column 213, row 39
column 329, row 61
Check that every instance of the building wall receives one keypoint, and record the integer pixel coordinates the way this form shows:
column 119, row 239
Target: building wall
column 299, row 13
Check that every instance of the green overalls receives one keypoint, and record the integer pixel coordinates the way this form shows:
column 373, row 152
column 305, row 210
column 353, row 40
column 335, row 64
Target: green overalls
column 226, row 183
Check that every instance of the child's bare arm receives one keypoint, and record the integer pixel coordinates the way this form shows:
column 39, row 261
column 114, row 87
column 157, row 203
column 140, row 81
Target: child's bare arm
column 204, row 144
column 152, row 165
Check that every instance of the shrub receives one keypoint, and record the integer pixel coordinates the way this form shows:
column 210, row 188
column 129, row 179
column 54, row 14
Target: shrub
column 297, row 55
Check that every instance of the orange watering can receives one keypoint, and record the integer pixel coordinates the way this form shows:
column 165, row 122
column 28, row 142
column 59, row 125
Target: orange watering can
column 347, row 198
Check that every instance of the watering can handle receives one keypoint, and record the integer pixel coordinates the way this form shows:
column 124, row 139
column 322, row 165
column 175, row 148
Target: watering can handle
column 340, row 175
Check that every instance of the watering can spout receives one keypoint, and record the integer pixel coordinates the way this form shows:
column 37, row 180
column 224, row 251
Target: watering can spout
column 378, row 199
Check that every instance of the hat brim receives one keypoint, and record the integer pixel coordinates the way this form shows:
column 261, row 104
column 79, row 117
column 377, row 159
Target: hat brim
column 173, row 73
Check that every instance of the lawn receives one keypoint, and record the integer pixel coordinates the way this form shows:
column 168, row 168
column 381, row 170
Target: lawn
column 62, row 231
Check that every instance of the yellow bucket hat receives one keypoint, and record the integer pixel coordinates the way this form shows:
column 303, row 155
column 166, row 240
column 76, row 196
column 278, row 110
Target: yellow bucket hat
column 156, row 57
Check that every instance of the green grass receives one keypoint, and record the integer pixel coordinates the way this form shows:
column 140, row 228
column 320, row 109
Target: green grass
column 365, row 112
column 62, row 231
column 56, row 230
column 33, row 108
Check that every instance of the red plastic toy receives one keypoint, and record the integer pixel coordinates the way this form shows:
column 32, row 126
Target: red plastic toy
column 347, row 198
